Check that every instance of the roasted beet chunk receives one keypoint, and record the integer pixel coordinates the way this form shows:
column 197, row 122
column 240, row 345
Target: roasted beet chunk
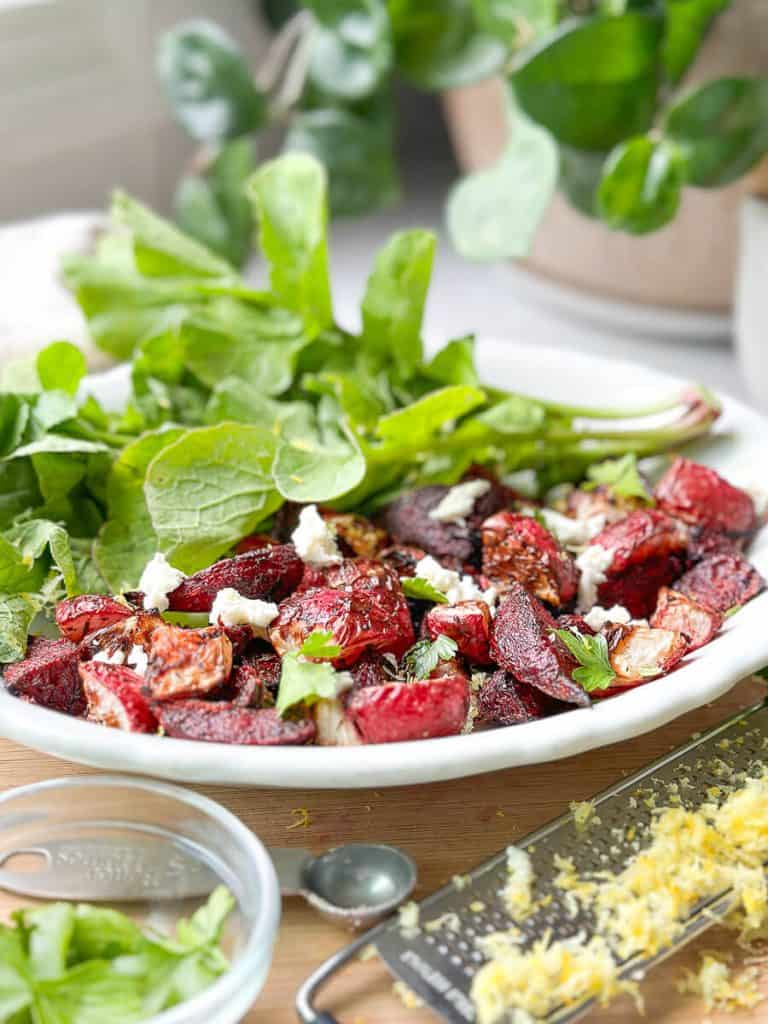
column 600, row 501
column 410, row 711
column 355, row 534
column 121, row 636
column 504, row 700
column 468, row 623
column 78, row 616
column 699, row 495
column 359, row 620
column 679, row 612
column 48, row 676
column 219, row 722
column 359, row 574
column 187, row 662
column 453, row 544
column 254, row 682
column 519, row 548
column 638, row 654
column 114, row 697
column 402, row 558
column 648, row 553
column 269, row 574
column 721, row 582
column 522, row 642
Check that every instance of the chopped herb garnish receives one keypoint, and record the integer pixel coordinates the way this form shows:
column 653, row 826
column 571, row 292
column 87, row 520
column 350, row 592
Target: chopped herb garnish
column 591, row 652
column 422, row 590
column 621, row 476
column 320, row 645
column 423, row 657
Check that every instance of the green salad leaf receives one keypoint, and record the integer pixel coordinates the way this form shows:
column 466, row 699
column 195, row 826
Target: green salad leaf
column 320, row 645
column 241, row 399
column 621, row 476
column 420, row 589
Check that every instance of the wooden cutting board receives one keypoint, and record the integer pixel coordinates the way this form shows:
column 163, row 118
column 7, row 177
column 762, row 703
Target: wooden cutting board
column 447, row 827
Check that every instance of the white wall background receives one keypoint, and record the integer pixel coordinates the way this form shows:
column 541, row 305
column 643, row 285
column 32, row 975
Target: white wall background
column 80, row 108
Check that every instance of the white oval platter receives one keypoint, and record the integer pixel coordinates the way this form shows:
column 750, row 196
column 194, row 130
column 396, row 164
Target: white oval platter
column 739, row 448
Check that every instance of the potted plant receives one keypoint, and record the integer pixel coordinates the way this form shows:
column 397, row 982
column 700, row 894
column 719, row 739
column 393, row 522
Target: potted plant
column 607, row 142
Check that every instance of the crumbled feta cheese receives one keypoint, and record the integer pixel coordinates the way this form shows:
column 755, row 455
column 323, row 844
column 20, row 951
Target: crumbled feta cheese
column 598, row 617
column 593, row 562
column 158, row 579
column 115, row 658
column 314, row 539
column 137, row 659
column 456, row 588
column 458, row 503
column 232, row 609
column 572, row 533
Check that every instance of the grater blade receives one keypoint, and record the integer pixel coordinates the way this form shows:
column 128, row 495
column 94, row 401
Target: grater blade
column 439, row 966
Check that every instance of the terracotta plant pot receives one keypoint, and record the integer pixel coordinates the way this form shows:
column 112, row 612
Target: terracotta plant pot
column 687, row 267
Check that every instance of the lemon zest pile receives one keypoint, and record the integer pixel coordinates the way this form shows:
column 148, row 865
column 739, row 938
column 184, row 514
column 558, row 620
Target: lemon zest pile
column 583, row 813
column 691, row 856
column 408, row 915
column 720, row 989
column 518, row 891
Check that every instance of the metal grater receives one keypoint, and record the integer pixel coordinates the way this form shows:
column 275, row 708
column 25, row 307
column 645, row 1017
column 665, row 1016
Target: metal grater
column 439, row 966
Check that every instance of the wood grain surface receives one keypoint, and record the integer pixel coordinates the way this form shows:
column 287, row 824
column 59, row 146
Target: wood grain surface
column 447, row 827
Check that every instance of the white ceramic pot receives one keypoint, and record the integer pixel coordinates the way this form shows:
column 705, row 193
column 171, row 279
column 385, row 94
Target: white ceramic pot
column 677, row 280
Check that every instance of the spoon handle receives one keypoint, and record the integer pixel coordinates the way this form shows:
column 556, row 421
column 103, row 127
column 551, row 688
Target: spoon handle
column 289, row 865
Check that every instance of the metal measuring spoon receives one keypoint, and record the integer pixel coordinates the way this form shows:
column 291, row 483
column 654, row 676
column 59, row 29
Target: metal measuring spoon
column 354, row 885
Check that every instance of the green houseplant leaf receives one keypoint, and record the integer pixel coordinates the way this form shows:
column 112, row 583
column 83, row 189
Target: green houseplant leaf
column 438, row 44
column 722, row 129
column 494, row 214
column 208, row 83
column 641, row 185
column 593, row 81
column 687, row 22
column 357, row 153
column 351, row 48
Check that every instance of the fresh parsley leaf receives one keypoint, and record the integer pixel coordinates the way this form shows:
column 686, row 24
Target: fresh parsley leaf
column 621, row 476
column 421, row 590
column 305, row 682
column 320, row 645
column 595, row 672
column 423, row 657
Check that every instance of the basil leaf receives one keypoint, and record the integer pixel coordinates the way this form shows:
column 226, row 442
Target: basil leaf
column 351, row 48
column 357, row 154
column 395, row 295
column 687, row 22
column 318, row 467
column 493, row 214
column 16, row 614
column 208, row 82
column 439, row 45
column 305, row 682
column 160, row 249
column 641, row 185
column 289, row 196
column 213, row 208
column 208, row 489
column 721, row 129
column 593, row 81
column 61, row 366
